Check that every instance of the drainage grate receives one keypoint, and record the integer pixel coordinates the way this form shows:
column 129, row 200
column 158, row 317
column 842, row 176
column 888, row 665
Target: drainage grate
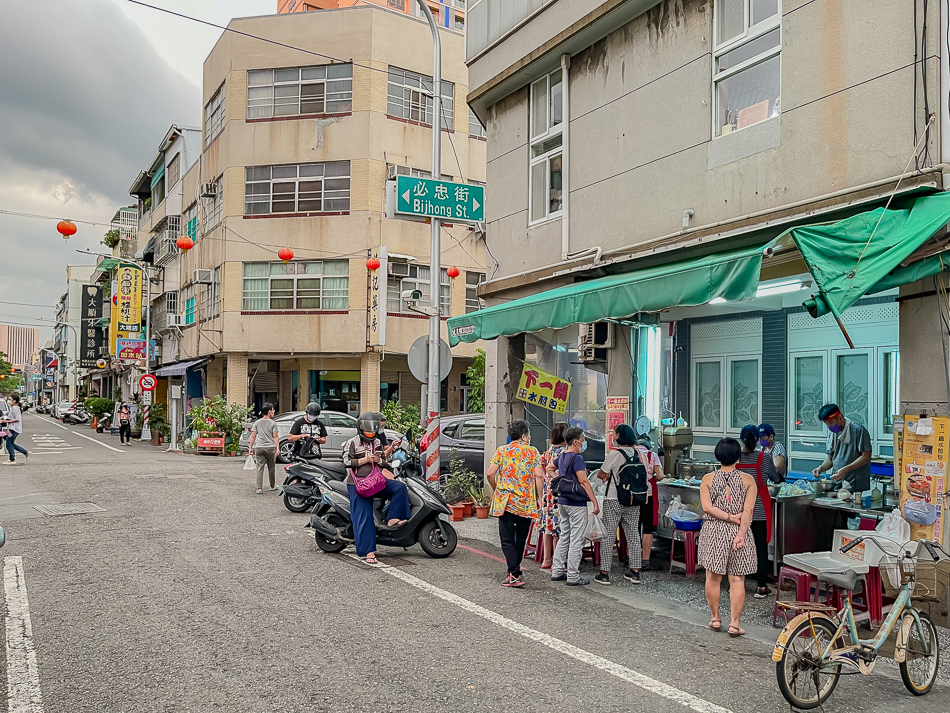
column 69, row 509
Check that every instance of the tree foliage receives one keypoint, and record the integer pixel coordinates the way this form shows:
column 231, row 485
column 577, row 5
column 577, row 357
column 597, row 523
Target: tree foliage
column 476, row 383
column 401, row 417
column 111, row 238
column 9, row 382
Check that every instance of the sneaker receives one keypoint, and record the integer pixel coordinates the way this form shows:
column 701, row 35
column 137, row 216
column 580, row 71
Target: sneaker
column 506, row 582
column 579, row 582
column 649, row 567
column 602, row 578
column 513, row 581
column 559, row 577
column 763, row 592
column 632, row 576
column 28, row 455
column 13, row 462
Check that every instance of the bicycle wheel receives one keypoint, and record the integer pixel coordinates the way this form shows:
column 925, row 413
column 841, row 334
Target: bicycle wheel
column 801, row 679
column 919, row 670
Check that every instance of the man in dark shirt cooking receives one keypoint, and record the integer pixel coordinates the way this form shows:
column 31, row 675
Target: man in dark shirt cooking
column 848, row 451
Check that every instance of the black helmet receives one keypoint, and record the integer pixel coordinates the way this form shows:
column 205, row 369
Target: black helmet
column 313, row 409
column 368, row 425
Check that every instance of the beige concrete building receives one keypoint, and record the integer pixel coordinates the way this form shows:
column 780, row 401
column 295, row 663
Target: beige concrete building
column 19, row 344
column 296, row 150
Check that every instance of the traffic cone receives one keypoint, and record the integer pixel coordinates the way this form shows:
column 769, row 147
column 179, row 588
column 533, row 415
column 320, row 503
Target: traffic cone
column 95, row 422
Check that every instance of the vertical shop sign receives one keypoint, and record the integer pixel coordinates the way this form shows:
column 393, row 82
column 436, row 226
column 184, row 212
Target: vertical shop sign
column 618, row 407
column 130, row 298
column 543, row 389
column 377, row 298
column 923, row 475
column 90, row 336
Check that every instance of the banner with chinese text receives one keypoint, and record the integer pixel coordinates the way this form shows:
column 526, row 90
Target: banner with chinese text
column 129, row 298
column 543, row 389
column 922, row 470
column 377, row 298
column 618, row 408
column 90, row 336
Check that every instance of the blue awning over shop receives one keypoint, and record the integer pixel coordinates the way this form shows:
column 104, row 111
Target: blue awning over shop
column 180, row 368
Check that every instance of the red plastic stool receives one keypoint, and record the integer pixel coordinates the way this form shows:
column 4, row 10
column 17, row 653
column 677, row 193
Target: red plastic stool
column 591, row 552
column 688, row 538
column 529, row 549
column 802, row 581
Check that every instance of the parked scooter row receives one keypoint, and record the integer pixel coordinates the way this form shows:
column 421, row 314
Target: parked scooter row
column 77, row 416
column 315, row 485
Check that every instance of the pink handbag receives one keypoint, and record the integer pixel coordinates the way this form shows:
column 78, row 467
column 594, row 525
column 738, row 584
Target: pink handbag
column 368, row 485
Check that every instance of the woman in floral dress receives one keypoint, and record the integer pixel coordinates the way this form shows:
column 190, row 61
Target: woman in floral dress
column 548, row 520
column 728, row 497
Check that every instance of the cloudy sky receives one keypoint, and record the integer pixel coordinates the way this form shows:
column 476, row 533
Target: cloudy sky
column 88, row 90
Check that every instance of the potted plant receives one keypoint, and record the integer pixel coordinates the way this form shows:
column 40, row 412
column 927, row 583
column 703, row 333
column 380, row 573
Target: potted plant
column 482, row 500
column 158, row 423
column 459, row 483
column 458, row 512
column 215, row 416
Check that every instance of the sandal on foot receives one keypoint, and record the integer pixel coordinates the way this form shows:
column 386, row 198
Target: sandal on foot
column 371, row 560
column 715, row 624
column 735, row 632
column 259, row 491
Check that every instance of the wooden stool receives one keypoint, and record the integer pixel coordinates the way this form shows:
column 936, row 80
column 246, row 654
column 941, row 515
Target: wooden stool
column 688, row 538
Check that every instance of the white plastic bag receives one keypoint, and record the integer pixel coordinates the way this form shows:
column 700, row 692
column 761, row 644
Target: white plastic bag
column 675, row 504
column 894, row 526
column 249, row 463
column 595, row 528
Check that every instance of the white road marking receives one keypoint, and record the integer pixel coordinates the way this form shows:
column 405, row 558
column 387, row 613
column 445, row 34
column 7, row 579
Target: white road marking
column 614, row 669
column 90, row 438
column 23, row 675
column 46, row 453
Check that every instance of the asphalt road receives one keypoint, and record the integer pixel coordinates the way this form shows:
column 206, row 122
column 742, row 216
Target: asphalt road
column 188, row 592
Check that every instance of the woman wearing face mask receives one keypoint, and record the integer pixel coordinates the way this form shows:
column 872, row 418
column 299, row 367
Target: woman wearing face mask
column 516, row 477
column 574, row 492
column 774, row 448
column 307, row 432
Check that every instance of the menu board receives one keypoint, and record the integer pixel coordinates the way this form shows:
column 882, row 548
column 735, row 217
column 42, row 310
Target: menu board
column 617, row 410
column 921, row 454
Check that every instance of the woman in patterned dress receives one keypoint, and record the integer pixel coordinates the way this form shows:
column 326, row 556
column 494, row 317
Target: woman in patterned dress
column 515, row 476
column 549, row 518
column 728, row 497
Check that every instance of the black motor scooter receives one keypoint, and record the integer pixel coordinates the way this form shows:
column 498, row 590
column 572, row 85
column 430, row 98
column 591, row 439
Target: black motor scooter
column 428, row 523
column 301, row 488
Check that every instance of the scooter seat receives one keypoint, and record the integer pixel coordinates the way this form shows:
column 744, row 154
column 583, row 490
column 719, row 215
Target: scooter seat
column 336, row 471
column 338, row 486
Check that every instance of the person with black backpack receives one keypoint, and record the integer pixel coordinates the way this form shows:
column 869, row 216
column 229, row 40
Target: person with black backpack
column 627, row 489
column 574, row 491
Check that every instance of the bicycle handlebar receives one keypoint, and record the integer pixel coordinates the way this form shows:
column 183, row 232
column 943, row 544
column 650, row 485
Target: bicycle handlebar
column 904, row 547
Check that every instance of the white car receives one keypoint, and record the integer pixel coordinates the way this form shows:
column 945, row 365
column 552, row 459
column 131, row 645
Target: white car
column 63, row 407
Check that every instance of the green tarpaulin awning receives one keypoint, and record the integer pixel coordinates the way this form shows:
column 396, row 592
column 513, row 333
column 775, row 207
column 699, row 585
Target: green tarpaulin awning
column 850, row 258
column 733, row 276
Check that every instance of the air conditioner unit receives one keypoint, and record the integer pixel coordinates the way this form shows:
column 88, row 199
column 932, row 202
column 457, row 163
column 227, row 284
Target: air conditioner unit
column 395, row 170
column 203, row 277
column 399, row 269
column 209, row 190
column 594, row 340
column 175, row 320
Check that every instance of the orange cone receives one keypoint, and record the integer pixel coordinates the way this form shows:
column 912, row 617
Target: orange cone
column 95, row 422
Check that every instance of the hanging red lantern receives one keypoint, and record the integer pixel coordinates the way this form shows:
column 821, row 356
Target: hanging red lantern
column 373, row 264
column 66, row 228
column 285, row 254
column 453, row 272
column 184, row 243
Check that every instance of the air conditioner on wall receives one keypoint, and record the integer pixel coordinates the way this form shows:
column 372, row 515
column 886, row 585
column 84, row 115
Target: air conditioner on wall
column 175, row 320
column 203, row 277
column 594, row 340
column 209, row 190
column 395, row 170
column 399, row 269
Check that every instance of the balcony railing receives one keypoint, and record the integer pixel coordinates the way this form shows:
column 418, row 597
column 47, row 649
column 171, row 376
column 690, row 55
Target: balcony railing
column 166, row 251
column 489, row 20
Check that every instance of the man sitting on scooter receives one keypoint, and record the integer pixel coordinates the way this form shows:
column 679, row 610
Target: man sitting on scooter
column 307, row 432
column 360, row 454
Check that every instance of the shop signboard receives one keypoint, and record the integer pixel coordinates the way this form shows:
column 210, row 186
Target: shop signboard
column 543, row 389
column 377, row 298
column 129, row 298
column 618, row 408
column 923, row 474
column 90, row 336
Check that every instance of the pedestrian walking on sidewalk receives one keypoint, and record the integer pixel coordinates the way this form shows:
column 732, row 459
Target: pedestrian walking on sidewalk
column 548, row 517
column 263, row 447
column 516, row 477
column 125, row 424
column 574, row 492
column 14, row 425
column 728, row 498
column 624, row 456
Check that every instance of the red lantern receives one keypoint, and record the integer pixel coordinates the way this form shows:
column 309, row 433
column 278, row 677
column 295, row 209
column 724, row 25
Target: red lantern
column 372, row 264
column 66, row 228
column 184, row 243
column 286, row 254
column 453, row 272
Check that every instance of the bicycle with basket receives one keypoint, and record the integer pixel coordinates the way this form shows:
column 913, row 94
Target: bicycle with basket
column 820, row 644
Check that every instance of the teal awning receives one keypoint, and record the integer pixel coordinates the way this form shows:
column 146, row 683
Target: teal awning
column 858, row 256
column 733, row 276
column 159, row 175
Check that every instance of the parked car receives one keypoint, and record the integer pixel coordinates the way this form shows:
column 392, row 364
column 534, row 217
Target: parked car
column 340, row 428
column 63, row 407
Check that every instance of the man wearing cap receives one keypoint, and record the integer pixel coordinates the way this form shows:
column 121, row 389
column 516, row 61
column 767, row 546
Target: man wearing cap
column 773, row 448
column 848, row 451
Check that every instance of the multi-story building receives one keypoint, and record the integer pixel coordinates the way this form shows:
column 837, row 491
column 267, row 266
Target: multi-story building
column 297, row 150
column 642, row 158
column 69, row 325
column 447, row 13
column 19, row 344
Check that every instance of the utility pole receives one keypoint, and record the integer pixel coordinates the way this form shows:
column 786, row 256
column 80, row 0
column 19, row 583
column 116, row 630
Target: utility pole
column 147, row 316
column 433, row 382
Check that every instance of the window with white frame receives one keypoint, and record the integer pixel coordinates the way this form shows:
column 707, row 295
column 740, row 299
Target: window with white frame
column 171, row 302
column 460, row 23
column 472, row 280
column 303, row 188
column 303, row 285
column 403, row 276
column 189, row 300
column 211, row 296
column 747, row 56
column 173, row 172
column 545, row 175
column 190, row 220
column 324, row 89
column 211, row 207
column 410, row 97
column 475, row 127
column 214, row 116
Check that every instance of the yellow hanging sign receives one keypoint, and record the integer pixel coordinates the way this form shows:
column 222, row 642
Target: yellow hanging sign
column 543, row 389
